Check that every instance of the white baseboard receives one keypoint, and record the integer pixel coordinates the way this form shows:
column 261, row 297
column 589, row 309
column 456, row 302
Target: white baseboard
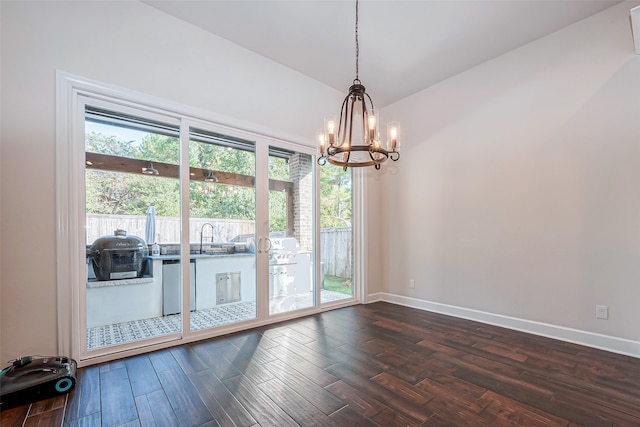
column 589, row 339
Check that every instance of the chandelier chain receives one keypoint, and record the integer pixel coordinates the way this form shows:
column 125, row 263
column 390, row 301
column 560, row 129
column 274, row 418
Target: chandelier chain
column 357, row 46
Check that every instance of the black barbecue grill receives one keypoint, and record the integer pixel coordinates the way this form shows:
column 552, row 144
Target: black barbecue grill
column 118, row 256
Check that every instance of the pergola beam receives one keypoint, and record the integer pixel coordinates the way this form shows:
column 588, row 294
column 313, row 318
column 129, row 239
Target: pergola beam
column 109, row 163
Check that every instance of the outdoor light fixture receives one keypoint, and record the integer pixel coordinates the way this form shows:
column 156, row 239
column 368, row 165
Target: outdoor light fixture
column 149, row 169
column 353, row 140
column 210, row 177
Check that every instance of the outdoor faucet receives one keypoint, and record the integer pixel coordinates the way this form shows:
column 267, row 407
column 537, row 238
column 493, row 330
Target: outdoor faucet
column 202, row 233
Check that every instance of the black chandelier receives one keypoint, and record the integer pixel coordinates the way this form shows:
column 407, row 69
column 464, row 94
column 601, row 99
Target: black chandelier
column 339, row 141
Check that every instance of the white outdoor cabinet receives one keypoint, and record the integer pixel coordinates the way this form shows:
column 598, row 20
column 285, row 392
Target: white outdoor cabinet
column 234, row 274
column 125, row 300
column 228, row 287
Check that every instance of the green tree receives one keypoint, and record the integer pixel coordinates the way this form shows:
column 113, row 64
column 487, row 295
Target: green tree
column 335, row 197
column 213, row 200
column 130, row 194
column 96, row 142
column 158, row 148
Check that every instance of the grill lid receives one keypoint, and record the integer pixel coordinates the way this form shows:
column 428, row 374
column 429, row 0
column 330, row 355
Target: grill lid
column 119, row 241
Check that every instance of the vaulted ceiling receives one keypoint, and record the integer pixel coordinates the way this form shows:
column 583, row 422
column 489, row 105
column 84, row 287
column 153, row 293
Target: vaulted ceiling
column 405, row 46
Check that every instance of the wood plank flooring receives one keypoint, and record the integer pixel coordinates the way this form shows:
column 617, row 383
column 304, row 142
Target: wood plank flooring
column 368, row 365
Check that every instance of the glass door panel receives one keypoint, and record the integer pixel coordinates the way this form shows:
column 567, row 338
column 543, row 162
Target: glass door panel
column 336, row 234
column 222, row 219
column 132, row 198
column 291, row 231
column 150, row 245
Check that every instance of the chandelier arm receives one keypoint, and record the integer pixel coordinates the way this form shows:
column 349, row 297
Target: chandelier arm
column 348, row 122
column 379, row 151
column 350, row 112
column 342, row 121
column 365, row 128
column 347, row 157
column 370, row 101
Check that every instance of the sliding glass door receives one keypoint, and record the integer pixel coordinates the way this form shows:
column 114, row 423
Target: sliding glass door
column 189, row 229
column 222, row 219
column 291, row 240
column 336, row 234
column 132, row 209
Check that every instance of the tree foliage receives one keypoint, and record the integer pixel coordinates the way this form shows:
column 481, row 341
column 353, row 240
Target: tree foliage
column 130, row 194
column 335, row 197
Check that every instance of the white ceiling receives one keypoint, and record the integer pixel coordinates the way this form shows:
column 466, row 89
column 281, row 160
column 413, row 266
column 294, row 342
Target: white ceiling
column 405, row 46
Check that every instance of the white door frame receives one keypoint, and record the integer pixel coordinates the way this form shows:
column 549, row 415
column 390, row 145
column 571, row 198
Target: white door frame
column 70, row 210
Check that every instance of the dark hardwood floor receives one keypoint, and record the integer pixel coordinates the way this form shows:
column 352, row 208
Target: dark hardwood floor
column 368, row 365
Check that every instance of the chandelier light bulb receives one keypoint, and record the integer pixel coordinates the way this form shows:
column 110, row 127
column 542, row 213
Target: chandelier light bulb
column 372, row 126
column 331, row 130
column 393, row 136
column 322, row 142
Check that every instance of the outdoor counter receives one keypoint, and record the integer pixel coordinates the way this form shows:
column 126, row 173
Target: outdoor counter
column 115, row 301
column 197, row 256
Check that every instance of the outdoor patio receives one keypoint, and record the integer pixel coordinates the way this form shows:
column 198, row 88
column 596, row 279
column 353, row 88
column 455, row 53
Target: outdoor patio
column 121, row 333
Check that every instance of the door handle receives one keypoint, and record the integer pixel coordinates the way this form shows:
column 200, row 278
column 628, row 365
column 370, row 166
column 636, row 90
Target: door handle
column 268, row 241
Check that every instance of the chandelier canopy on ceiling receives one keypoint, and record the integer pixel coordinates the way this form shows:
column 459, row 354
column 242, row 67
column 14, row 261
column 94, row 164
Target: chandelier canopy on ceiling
column 353, row 139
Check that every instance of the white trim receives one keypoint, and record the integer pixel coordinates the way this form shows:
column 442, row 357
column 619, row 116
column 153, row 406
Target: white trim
column 589, row 339
column 64, row 93
column 376, row 297
column 185, row 245
column 317, row 250
column 358, row 226
column 262, row 230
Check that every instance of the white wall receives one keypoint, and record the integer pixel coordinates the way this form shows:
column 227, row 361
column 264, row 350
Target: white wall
column 518, row 190
column 134, row 46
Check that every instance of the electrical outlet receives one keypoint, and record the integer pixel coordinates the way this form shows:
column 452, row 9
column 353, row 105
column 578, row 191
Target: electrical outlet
column 602, row 312
column 412, row 283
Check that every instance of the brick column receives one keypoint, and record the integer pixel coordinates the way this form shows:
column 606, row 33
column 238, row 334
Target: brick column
column 301, row 173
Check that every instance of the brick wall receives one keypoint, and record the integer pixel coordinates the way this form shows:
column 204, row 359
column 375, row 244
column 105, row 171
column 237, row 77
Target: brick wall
column 301, row 172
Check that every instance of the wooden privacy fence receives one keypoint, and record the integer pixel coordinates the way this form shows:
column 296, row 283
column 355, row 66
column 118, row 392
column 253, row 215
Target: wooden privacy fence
column 336, row 251
column 167, row 228
column 335, row 243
